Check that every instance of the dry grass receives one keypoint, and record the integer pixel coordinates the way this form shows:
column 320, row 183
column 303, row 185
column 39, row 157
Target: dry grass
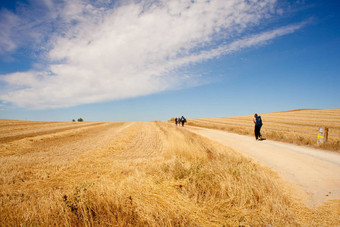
column 298, row 126
column 142, row 174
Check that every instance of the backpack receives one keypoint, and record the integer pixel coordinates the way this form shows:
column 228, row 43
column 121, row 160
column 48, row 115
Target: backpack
column 258, row 121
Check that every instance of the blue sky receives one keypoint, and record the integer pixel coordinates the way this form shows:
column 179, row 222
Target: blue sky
column 152, row 60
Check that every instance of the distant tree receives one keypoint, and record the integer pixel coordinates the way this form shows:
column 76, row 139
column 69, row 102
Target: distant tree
column 80, row 120
column 73, row 120
column 172, row 119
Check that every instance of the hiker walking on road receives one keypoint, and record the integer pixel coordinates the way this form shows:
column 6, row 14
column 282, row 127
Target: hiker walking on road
column 176, row 120
column 258, row 124
column 183, row 120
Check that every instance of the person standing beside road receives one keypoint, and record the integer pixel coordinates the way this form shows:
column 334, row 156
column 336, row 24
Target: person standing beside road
column 258, row 124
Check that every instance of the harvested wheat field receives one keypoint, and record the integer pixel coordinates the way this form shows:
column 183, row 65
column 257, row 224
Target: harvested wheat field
column 297, row 126
column 139, row 174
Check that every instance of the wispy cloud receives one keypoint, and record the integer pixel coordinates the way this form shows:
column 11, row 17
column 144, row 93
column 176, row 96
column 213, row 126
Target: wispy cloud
column 108, row 51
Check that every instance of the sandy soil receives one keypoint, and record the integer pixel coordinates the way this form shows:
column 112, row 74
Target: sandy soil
column 315, row 172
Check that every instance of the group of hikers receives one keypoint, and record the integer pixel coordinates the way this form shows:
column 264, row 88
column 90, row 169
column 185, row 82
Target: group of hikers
column 180, row 120
column 257, row 121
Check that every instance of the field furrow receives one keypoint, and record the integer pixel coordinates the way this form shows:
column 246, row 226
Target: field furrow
column 45, row 129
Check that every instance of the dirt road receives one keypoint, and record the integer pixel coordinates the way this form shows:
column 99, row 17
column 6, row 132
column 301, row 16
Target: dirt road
column 314, row 171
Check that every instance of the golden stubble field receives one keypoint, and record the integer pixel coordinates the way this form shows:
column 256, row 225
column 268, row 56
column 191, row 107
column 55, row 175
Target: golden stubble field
column 138, row 174
column 299, row 127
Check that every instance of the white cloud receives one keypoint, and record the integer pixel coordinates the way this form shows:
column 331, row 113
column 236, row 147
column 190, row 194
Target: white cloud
column 97, row 53
column 7, row 21
column 253, row 40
